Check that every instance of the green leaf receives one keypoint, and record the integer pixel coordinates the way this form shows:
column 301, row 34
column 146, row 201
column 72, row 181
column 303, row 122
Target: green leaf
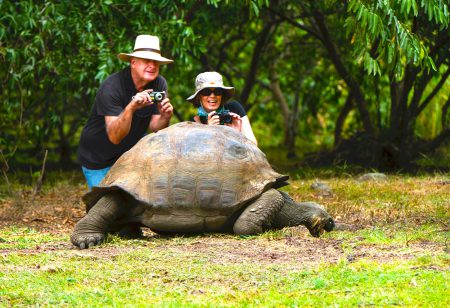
column 255, row 8
column 390, row 53
column 431, row 63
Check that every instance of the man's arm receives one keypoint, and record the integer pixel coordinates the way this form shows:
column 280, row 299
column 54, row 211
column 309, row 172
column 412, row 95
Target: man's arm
column 118, row 127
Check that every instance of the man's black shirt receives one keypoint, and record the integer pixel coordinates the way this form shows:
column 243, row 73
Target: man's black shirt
column 95, row 151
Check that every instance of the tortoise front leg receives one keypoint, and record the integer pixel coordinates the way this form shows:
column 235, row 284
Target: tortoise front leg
column 257, row 216
column 91, row 229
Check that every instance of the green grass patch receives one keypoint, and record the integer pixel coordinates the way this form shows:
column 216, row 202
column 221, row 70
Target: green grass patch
column 397, row 254
column 144, row 277
column 395, row 235
column 26, row 238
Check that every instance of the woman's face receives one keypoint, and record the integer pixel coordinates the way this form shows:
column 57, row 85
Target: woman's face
column 211, row 98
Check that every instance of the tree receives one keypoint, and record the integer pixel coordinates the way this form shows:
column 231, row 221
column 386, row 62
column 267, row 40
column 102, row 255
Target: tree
column 403, row 48
column 55, row 54
column 364, row 73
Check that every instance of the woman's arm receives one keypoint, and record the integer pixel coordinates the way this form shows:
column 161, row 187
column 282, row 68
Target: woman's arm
column 247, row 130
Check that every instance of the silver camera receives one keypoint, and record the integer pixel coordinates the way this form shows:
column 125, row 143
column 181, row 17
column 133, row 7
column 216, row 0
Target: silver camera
column 157, row 97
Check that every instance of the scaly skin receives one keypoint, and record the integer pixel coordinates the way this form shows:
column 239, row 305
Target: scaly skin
column 91, row 230
column 257, row 216
column 272, row 210
column 309, row 214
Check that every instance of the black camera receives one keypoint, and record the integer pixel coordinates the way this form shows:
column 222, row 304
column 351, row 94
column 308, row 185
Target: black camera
column 157, row 97
column 225, row 117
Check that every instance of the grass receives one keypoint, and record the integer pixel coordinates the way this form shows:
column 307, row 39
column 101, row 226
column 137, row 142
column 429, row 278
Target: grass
column 141, row 276
column 397, row 254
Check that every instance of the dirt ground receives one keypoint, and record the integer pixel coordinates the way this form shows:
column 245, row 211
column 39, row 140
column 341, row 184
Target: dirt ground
column 56, row 212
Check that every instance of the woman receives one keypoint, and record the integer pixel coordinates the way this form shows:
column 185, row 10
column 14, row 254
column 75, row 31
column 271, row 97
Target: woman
column 211, row 99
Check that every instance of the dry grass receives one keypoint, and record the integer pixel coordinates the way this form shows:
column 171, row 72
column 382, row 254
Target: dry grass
column 392, row 249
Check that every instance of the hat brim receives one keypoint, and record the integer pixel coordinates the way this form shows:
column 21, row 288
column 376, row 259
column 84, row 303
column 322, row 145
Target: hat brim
column 144, row 55
column 229, row 90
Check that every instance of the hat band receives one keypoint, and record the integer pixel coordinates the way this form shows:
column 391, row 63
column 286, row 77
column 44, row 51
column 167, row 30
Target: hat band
column 211, row 84
column 148, row 49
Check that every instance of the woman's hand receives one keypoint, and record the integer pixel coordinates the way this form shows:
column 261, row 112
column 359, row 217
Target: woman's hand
column 213, row 118
column 236, row 122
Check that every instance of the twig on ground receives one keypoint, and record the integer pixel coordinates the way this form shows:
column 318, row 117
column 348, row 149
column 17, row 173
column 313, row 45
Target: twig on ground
column 5, row 168
column 38, row 186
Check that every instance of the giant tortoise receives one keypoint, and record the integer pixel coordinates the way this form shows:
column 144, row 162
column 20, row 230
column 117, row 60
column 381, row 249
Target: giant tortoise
column 194, row 178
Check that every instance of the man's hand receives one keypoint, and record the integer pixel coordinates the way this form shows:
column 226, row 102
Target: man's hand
column 140, row 100
column 165, row 108
column 161, row 120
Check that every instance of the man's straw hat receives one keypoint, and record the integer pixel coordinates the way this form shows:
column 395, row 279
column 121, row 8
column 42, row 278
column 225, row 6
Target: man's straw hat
column 146, row 47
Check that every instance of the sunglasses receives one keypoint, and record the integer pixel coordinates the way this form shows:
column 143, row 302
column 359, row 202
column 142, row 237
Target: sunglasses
column 208, row 91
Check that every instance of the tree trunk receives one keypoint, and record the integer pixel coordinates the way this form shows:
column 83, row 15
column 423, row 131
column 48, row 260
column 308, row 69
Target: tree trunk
column 348, row 106
column 257, row 52
column 361, row 104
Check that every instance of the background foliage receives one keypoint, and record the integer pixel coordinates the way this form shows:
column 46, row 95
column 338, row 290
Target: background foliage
column 365, row 80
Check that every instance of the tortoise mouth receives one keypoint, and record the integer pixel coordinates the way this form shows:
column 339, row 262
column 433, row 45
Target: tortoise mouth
column 329, row 225
column 319, row 226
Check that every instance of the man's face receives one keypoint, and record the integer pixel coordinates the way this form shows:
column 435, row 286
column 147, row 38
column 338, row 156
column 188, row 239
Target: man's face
column 145, row 69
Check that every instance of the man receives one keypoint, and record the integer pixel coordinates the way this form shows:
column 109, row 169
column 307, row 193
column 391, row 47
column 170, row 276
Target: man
column 124, row 110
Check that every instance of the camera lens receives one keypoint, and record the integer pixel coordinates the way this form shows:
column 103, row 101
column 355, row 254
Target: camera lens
column 225, row 118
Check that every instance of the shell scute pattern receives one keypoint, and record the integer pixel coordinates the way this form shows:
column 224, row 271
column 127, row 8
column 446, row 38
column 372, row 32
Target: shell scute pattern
column 190, row 166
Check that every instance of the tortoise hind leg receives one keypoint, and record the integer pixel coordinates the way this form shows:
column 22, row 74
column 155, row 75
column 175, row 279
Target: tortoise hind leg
column 91, row 229
column 258, row 215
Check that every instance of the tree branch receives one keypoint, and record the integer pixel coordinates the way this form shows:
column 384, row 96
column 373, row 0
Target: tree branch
column 344, row 73
column 444, row 113
column 224, row 48
column 407, row 83
column 191, row 12
column 393, row 92
column 348, row 106
column 442, row 39
column 295, row 23
column 257, row 52
column 278, row 93
column 436, row 142
column 430, row 96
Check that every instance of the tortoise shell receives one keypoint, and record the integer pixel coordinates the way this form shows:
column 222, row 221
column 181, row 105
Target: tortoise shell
column 190, row 167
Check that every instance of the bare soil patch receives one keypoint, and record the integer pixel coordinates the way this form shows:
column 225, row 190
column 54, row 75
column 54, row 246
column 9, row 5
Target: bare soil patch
column 54, row 212
column 57, row 211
